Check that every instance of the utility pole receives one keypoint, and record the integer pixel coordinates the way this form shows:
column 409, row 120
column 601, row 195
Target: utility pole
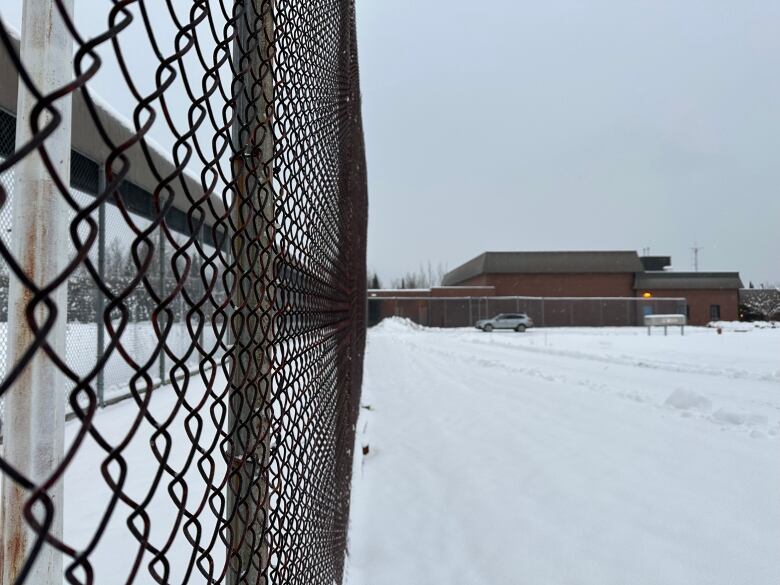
column 253, row 300
column 696, row 248
column 34, row 412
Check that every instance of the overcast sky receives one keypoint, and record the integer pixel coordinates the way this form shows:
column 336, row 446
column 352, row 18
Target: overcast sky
column 555, row 125
column 572, row 124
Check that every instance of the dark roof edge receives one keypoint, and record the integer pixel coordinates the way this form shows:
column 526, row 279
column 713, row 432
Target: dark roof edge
column 485, row 263
column 692, row 280
column 465, row 271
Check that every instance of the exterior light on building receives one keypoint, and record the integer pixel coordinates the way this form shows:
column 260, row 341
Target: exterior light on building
column 647, row 295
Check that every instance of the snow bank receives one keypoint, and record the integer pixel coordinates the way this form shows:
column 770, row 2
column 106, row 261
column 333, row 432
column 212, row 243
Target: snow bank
column 743, row 325
column 688, row 400
column 397, row 325
column 734, row 417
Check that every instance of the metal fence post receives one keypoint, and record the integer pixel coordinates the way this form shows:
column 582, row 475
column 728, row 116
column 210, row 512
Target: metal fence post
column 248, row 491
column 202, row 288
column 161, row 292
column 34, row 414
column 100, row 302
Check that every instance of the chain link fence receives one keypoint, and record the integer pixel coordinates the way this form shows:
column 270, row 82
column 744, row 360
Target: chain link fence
column 545, row 311
column 210, row 296
column 85, row 339
column 7, row 139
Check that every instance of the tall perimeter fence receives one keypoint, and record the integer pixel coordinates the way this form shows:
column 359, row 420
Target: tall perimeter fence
column 196, row 310
column 545, row 311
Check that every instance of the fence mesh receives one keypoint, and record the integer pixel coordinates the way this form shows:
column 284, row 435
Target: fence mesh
column 216, row 284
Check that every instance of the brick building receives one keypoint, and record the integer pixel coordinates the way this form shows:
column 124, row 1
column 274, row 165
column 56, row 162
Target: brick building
column 710, row 295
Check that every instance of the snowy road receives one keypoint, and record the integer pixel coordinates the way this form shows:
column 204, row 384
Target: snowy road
column 565, row 456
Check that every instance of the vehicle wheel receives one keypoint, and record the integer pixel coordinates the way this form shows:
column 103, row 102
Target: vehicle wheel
column 487, row 328
column 520, row 328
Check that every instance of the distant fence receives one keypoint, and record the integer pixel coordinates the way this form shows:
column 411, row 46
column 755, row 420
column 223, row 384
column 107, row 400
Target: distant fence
column 545, row 311
column 112, row 257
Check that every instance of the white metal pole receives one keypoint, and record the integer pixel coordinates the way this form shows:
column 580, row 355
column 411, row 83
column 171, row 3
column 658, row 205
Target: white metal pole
column 34, row 414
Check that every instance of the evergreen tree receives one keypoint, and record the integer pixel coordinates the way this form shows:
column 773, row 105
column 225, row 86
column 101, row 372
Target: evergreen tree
column 115, row 259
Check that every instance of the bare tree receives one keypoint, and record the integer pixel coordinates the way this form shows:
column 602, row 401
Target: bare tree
column 426, row 277
column 115, row 259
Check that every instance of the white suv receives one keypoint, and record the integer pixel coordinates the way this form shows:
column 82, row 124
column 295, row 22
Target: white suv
column 517, row 321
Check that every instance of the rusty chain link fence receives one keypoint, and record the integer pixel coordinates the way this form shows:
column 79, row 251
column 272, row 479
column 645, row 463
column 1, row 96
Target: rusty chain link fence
column 197, row 309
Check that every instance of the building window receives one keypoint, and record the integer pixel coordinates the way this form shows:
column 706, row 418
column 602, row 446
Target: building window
column 714, row 312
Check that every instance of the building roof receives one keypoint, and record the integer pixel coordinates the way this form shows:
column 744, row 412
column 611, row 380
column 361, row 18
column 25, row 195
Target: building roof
column 656, row 262
column 544, row 263
column 688, row 280
column 88, row 141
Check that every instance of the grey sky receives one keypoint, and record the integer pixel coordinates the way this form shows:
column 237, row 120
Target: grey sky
column 572, row 124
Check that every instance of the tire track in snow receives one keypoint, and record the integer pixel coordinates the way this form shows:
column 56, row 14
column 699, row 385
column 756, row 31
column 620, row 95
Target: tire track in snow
column 728, row 416
column 624, row 360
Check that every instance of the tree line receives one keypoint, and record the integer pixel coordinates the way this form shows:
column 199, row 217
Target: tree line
column 426, row 276
column 120, row 270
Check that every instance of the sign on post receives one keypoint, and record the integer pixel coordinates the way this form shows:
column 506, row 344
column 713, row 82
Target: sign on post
column 665, row 321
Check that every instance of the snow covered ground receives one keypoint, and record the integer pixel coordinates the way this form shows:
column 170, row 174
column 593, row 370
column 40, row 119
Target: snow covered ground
column 138, row 339
column 88, row 499
column 568, row 456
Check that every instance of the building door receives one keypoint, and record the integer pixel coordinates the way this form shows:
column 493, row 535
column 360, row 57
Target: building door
column 374, row 311
column 714, row 312
column 423, row 312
